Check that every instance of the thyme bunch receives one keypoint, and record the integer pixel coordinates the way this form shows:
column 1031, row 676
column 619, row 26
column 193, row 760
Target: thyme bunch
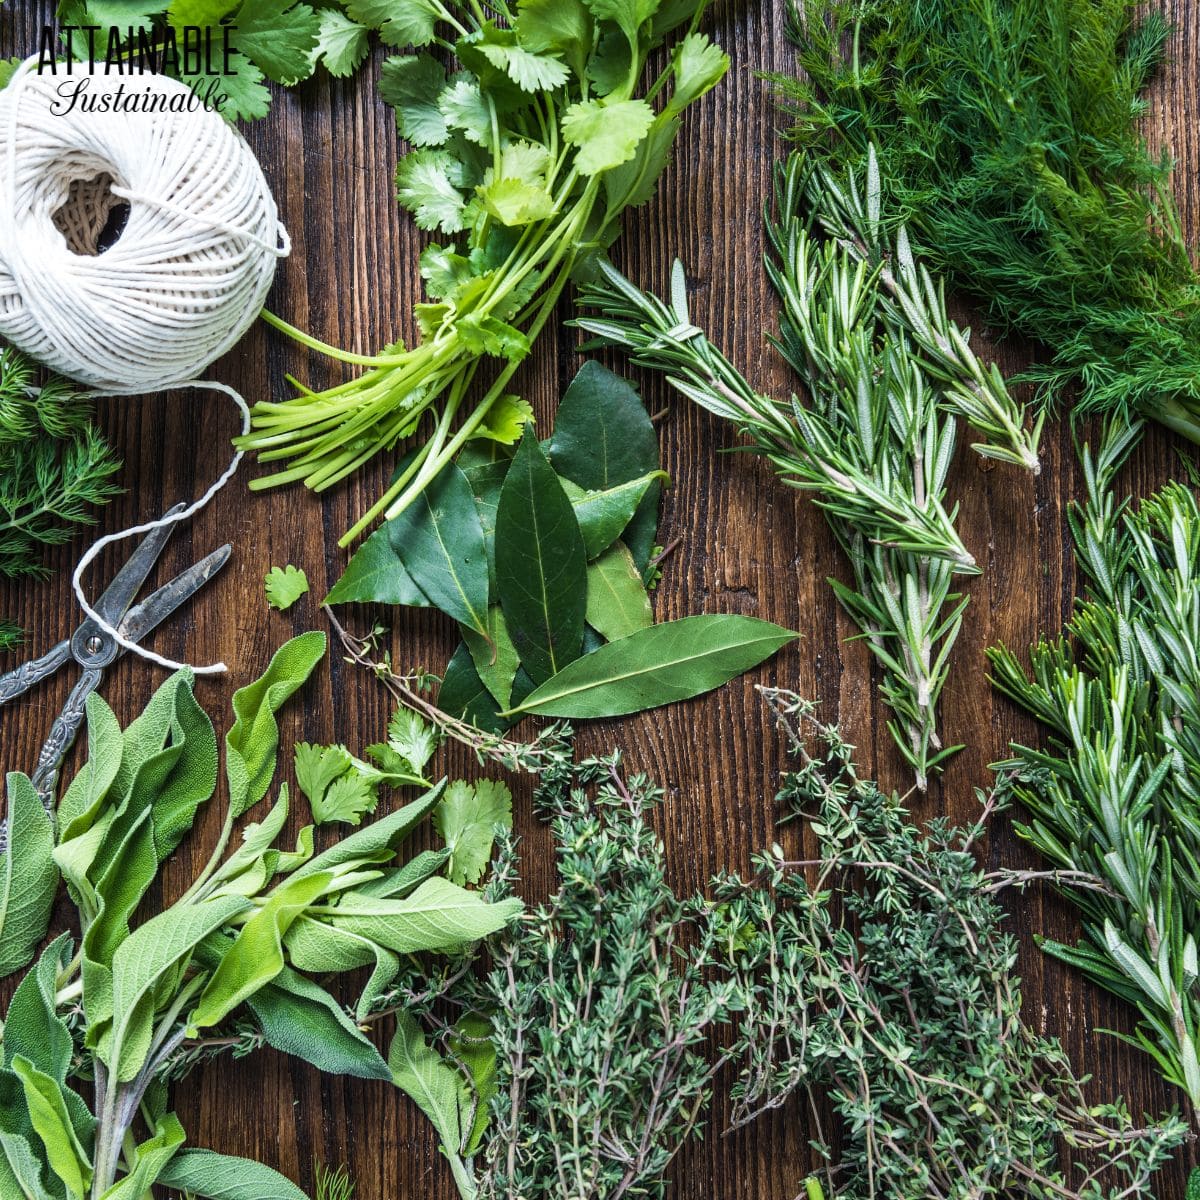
column 885, row 369
column 1114, row 793
column 1009, row 133
column 879, row 974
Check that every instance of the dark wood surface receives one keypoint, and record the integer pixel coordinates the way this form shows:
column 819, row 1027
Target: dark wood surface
column 748, row 545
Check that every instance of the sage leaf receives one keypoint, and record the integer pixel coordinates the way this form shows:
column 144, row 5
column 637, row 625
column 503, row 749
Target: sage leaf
column 672, row 661
column 204, row 1173
column 617, row 601
column 256, row 956
column 376, row 575
column 439, row 915
column 140, row 963
column 436, row 1087
column 495, row 656
column 47, row 1109
column 603, row 515
column 439, row 539
column 32, row 1026
column 541, row 564
column 603, row 437
column 299, row 1017
column 149, row 1160
column 251, row 744
column 471, row 1043
column 28, row 876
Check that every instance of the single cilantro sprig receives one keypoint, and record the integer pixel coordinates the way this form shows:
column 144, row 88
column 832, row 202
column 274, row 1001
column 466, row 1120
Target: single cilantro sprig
column 284, row 586
column 526, row 156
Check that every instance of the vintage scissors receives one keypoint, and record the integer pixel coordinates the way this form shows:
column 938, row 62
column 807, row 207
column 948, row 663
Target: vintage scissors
column 93, row 649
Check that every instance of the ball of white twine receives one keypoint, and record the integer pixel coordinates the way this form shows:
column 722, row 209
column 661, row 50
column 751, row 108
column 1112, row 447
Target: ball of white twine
column 182, row 282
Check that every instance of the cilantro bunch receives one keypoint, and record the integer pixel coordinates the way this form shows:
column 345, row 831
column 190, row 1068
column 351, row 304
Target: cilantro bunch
column 530, row 136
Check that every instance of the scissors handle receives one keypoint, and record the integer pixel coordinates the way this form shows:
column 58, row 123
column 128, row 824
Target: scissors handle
column 62, row 736
column 19, row 680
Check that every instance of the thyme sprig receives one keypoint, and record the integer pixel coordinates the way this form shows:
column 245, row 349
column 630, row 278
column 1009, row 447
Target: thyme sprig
column 1114, row 793
column 880, row 975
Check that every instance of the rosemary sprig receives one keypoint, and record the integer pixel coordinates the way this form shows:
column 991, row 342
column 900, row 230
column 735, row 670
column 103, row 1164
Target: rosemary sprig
column 875, row 441
column 1115, row 791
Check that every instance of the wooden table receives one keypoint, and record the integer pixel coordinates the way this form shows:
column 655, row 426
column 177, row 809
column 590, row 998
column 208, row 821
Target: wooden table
column 749, row 545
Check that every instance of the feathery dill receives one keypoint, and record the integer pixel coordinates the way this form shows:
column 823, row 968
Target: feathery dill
column 883, row 979
column 54, row 467
column 1114, row 793
column 885, row 370
column 1007, row 131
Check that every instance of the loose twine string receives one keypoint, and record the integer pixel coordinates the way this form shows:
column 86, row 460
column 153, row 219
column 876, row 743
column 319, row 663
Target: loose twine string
column 184, row 279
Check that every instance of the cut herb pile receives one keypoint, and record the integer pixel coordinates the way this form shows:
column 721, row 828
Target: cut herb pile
column 543, row 556
column 525, row 156
column 886, row 985
column 1008, row 133
column 54, row 467
column 227, row 965
column 1113, row 796
column 884, row 368
column 588, row 1072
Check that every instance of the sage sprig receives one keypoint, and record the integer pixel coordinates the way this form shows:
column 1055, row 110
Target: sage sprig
column 1113, row 795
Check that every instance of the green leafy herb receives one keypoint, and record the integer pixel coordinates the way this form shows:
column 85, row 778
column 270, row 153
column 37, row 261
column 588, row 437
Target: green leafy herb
column 54, row 469
column 467, row 819
column 866, row 330
column 1113, row 795
column 284, row 586
column 28, row 876
column 219, row 969
column 657, row 665
column 879, row 975
column 1009, row 132
column 524, row 158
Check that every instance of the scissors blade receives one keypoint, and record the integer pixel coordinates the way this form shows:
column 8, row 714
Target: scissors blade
column 159, row 605
column 128, row 580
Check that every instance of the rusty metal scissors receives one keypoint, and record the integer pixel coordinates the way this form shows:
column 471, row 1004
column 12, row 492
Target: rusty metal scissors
column 93, row 649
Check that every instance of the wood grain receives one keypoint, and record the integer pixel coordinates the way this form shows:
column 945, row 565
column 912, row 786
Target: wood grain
column 748, row 546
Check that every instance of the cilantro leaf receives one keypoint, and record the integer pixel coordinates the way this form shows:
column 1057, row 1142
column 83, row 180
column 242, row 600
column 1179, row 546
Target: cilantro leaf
column 606, row 133
column 505, row 421
column 427, row 183
column 285, row 586
column 278, row 37
column 318, row 766
column 247, row 98
column 412, row 737
column 463, row 106
column 413, row 84
column 466, row 818
column 443, row 270
column 345, row 800
column 699, row 66
column 400, row 22
column 530, row 72
column 629, row 15
column 561, row 26
column 513, row 202
column 485, row 334
column 199, row 12
column 342, row 44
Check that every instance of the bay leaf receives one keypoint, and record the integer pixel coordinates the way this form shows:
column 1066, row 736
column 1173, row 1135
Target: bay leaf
column 617, row 601
column 541, row 564
column 376, row 575
column 659, row 665
column 494, row 656
column 439, row 539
